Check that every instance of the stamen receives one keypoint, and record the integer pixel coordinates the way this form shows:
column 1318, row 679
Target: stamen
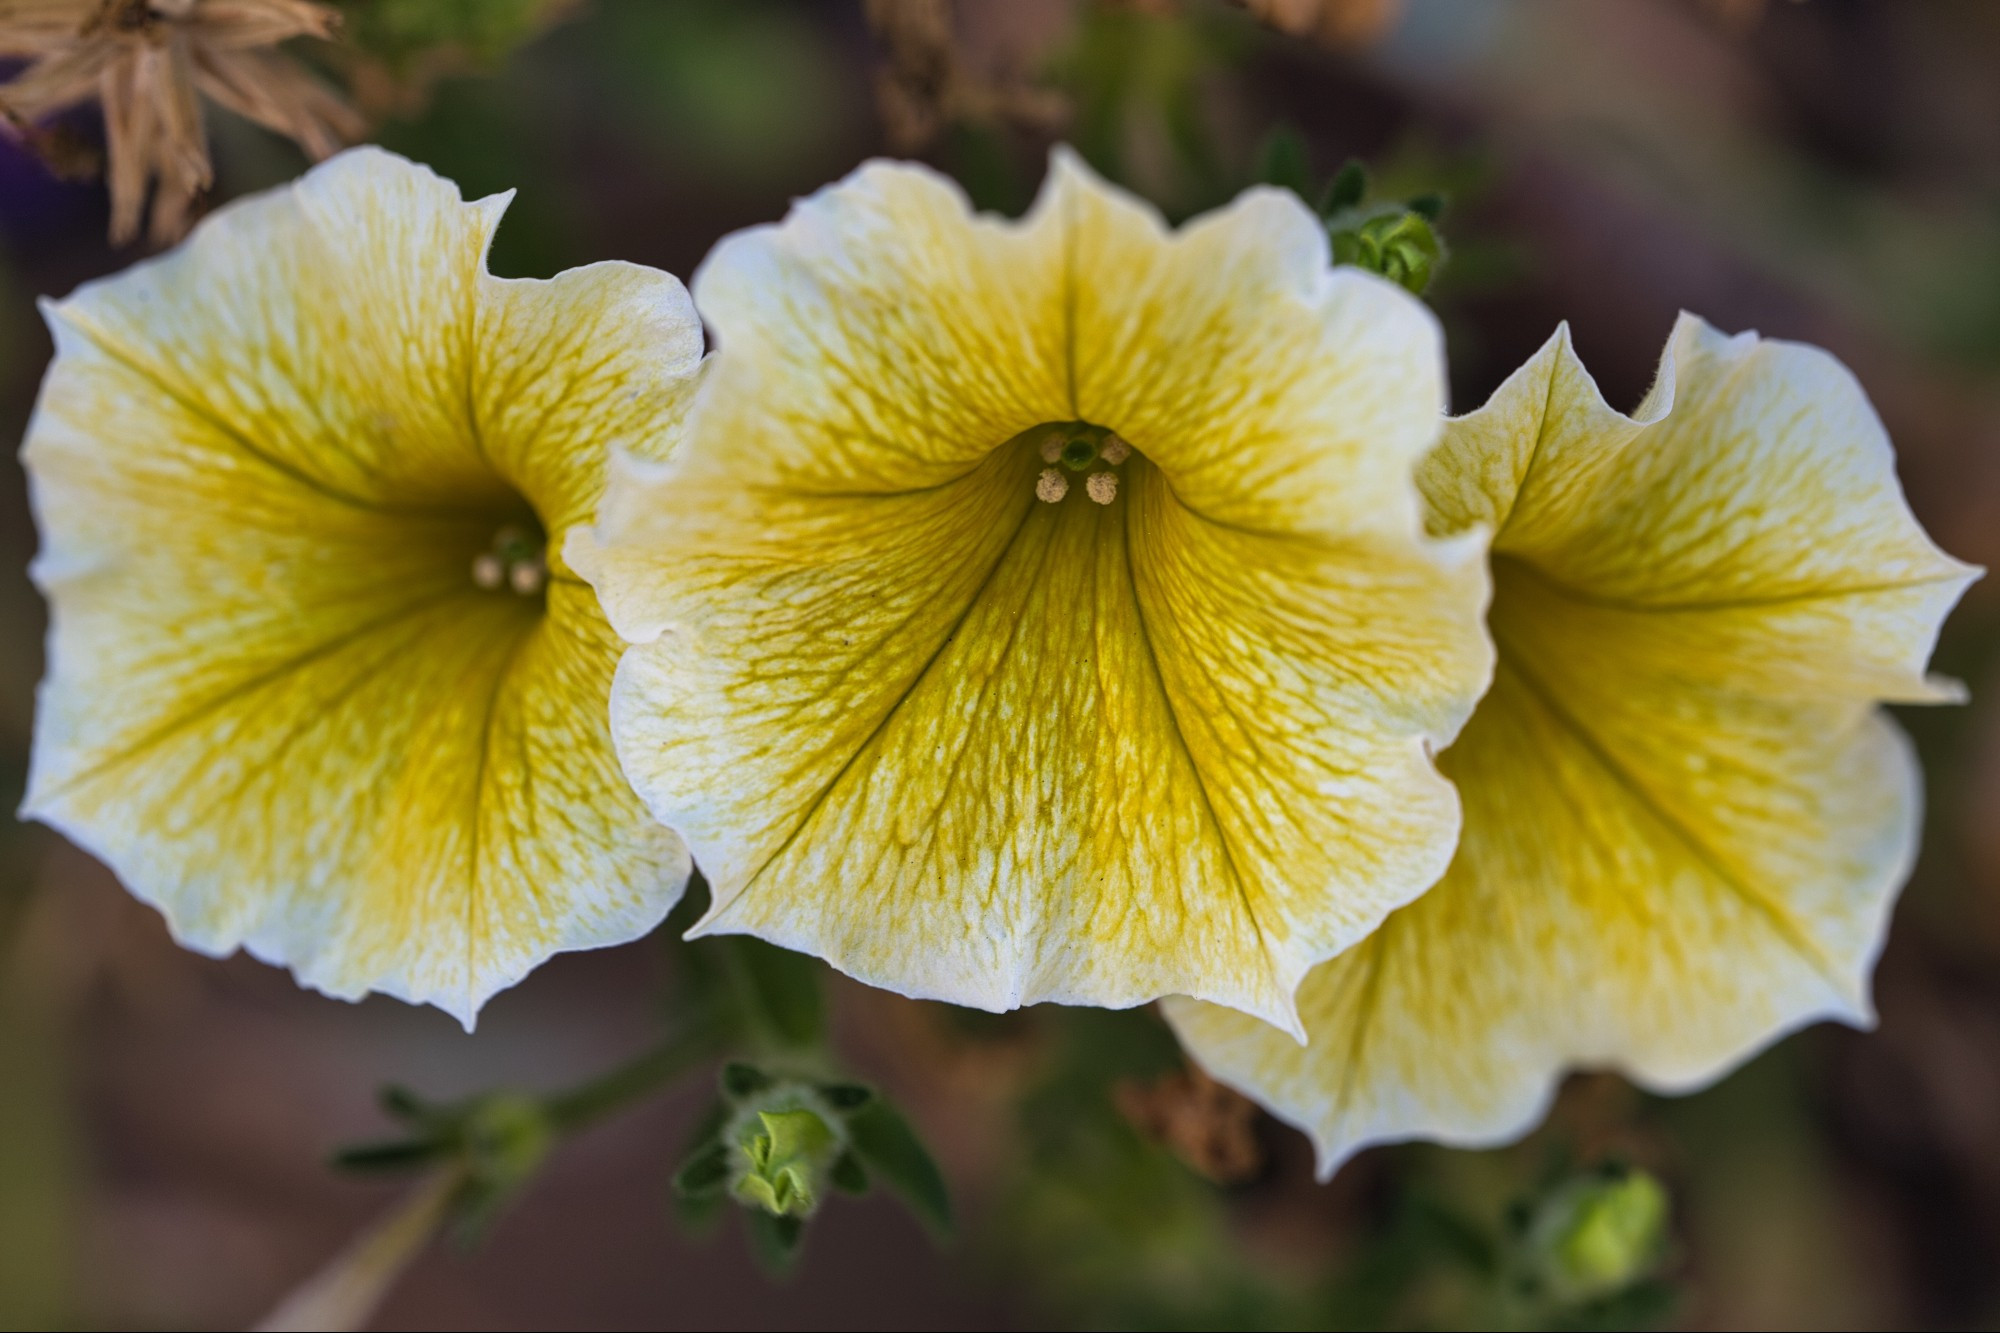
column 516, row 559
column 528, row 577
column 1052, row 447
column 1102, row 487
column 1051, row 486
column 1115, row 450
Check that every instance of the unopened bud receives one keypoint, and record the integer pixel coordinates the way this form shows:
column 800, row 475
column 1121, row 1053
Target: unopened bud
column 1596, row 1236
column 506, row 1136
column 783, row 1149
column 1399, row 244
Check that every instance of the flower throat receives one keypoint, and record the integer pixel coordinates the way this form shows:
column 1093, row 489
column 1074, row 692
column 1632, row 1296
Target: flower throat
column 1079, row 447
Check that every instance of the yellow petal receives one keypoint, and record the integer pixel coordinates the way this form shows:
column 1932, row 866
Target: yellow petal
column 596, row 358
column 1685, row 820
column 968, row 744
column 1280, row 394
column 278, row 706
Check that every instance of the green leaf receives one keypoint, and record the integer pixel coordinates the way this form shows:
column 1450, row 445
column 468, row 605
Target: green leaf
column 887, row 1146
column 398, row 1155
column 849, row 1175
column 775, row 1240
column 1285, row 161
column 1429, row 207
column 698, row 1213
column 741, row 1081
column 705, row 1173
column 400, row 1103
column 846, row 1097
column 1346, row 190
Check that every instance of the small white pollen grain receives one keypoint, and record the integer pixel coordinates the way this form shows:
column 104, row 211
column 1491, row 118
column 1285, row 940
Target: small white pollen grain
column 1052, row 448
column 527, row 577
column 1102, row 486
column 1051, row 486
column 487, row 571
column 1115, row 451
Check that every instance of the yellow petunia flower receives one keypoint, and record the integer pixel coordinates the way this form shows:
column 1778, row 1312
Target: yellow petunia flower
column 1685, row 817
column 1041, row 610
column 314, row 687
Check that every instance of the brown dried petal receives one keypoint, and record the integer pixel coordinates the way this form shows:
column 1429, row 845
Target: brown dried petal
column 61, row 79
column 1207, row 1125
column 36, row 27
column 242, row 24
column 130, row 129
column 280, row 96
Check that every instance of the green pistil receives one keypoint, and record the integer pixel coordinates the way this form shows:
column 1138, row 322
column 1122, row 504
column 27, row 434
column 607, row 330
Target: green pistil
column 1082, row 444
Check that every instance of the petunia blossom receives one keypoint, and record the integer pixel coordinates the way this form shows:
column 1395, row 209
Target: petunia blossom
column 320, row 684
column 1041, row 610
column 1686, row 819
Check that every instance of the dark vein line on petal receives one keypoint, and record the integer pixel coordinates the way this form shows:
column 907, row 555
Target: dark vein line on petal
column 875, row 733
column 1573, row 593
column 1365, row 1007
column 202, row 412
column 244, row 688
column 472, row 896
column 1510, row 660
column 1180, row 737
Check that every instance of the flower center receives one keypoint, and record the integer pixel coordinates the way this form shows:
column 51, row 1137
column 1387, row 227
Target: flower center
column 1080, row 447
column 516, row 560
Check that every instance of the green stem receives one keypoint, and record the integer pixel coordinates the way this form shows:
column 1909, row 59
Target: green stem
column 615, row 1089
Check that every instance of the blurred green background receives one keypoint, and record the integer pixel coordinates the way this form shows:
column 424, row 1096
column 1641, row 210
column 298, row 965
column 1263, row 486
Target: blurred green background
column 1825, row 170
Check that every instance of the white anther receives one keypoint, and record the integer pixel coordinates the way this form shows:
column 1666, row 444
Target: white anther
column 1051, row 485
column 1052, row 448
column 1102, row 486
column 527, row 577
column 1115, row 451
column 487, row 571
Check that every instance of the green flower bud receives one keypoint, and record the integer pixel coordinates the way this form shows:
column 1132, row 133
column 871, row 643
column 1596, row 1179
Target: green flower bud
column 1596, row 1236
column 782, row 1151
column 506, row 1136
column 1400, row 244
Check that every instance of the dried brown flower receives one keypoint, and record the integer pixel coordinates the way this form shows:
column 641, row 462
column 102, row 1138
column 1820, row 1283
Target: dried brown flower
column 149, row 62
column 927, row 84
column 1210, row 1127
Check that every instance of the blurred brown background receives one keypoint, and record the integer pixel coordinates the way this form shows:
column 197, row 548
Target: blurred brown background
column 1826, row 171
